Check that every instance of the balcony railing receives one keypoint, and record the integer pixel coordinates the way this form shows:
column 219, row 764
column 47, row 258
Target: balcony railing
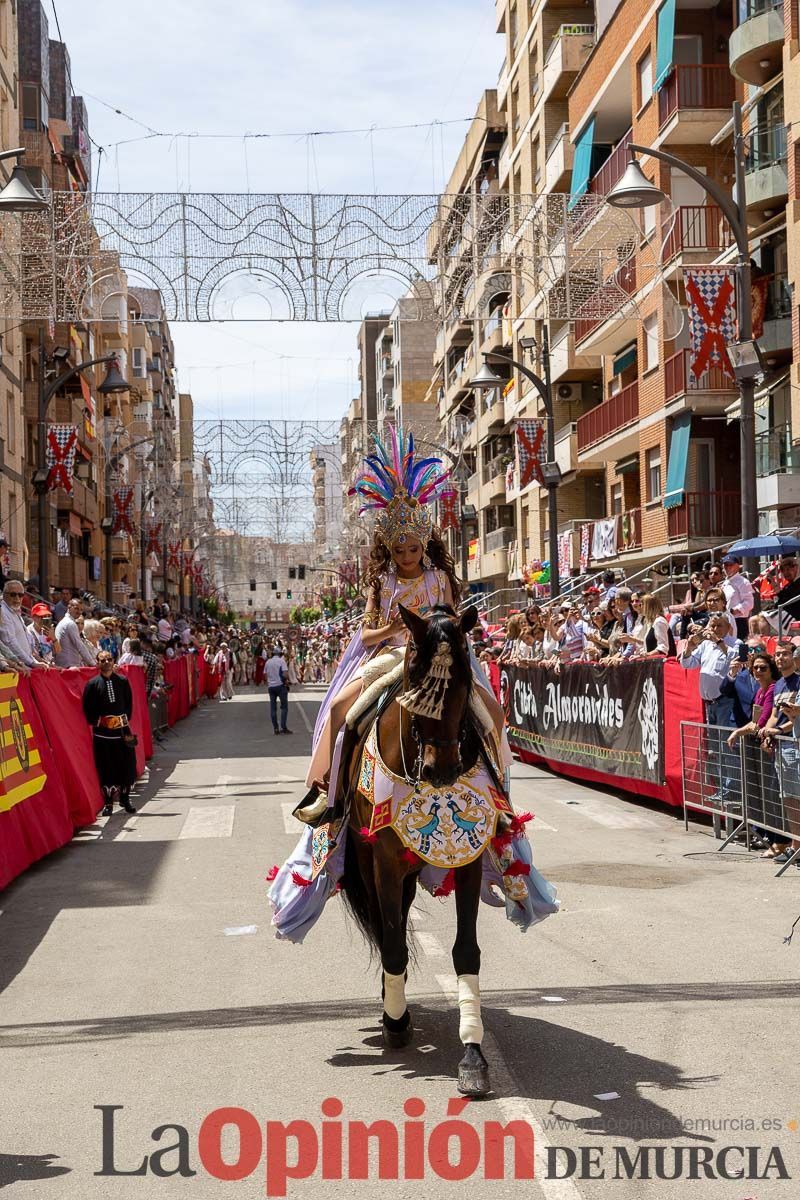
column 776, row 453
column 495, row 468
column 564, row 31
column 607, row 303
column 695, row 87
column 613, row 168
column 609, row 417
column 706, row 515
column 498, row 539
column 754, row 8
column 765, row 146
column 698, row 227
column 679, row 379
column 779, row 299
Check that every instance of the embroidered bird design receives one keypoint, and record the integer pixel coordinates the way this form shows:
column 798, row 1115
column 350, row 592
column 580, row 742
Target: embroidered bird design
column 466, row 821
column 426, row 830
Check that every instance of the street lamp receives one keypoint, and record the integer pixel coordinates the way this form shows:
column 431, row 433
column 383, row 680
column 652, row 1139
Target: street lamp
column 19, row 194
column 634, row 190
column 485, row 380
column 113, row 382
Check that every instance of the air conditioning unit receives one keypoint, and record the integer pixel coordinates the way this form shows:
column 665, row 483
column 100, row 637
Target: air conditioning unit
column 569, row 393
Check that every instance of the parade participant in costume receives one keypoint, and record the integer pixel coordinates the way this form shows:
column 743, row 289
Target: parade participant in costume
column 409, row 566
column 108, row 707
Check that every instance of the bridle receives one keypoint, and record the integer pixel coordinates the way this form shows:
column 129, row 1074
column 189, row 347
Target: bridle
column 422, row 742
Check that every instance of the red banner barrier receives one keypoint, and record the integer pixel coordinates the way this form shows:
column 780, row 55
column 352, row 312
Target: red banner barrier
column 34, row 815
column 178, row 695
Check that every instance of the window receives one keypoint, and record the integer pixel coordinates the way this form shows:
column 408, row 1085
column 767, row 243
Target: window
column 616, row 499
column 139, row 363
column 11, row 429
column 644, row 71
column 650, row 346
column 654, row 473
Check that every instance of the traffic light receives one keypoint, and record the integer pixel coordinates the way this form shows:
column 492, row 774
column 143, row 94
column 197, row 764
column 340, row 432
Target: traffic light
column 293, row 572
column 274, row 585
column 301, row 572
column 289, row 594
column 252, row 585
column 277, row 595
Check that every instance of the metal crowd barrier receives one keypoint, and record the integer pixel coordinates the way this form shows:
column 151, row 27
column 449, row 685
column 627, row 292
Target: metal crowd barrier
column 157, row 706
column 744, row 788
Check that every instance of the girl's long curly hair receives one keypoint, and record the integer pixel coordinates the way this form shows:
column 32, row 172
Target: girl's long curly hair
column 380, row 559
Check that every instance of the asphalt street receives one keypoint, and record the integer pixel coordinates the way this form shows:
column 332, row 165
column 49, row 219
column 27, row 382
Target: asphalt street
column 138, row 968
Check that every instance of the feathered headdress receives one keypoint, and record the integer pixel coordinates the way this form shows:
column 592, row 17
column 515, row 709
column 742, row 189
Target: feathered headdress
column 401, row 487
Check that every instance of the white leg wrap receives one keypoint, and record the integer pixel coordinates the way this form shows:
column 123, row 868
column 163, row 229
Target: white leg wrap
column 394, row 995
column 470, row 1028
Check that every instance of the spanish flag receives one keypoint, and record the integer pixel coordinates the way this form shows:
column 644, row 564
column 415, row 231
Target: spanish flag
column 21, row 771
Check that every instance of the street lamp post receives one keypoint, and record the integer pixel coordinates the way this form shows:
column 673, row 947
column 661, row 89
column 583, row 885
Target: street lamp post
column 634, row 190
column 112, row 383
column 487, row 379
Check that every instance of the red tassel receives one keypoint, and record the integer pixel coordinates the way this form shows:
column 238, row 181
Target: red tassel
column 502, row 840
column 272, row 873
column 367, row 836
column 447, row 885
column 517, row 868
column 300, row 880
column 410, row 857
column 519, row 821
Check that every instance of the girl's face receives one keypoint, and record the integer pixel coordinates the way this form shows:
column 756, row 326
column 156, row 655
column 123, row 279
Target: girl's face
column 408, row 557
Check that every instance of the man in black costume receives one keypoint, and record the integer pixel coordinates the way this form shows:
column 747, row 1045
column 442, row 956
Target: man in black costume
column 108, row 707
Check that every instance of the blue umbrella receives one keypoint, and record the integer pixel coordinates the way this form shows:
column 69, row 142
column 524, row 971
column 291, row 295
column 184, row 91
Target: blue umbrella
column 770, row 544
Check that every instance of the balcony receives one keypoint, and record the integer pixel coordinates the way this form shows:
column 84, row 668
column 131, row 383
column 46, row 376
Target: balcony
column 567, row 448
column 629, row 530
column 705, row 516
column 504, row 162
column 493, row 336
column 498, row 539
column 777, row 336
column 613, row 168
column 777, row 468
column 607, row 420
column 568, row 52
column 491, row 411
column 709, row 394
column 564, row 358
column 755, row 49
column 558, row 162
column 698, row 229
column 693, row 104
column 609, row 321
column 767, row 167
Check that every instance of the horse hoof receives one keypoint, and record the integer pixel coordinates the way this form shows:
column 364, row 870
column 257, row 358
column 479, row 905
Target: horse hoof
column 397, row 1034
column 473, row 1073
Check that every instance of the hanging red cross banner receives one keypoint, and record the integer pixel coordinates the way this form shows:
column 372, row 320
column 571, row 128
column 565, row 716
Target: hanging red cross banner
column 174, row 553
column 153, row 538
column 530, row 451
column 448, row 511
column 712, row 317
column 123, row 510
column 62, row 442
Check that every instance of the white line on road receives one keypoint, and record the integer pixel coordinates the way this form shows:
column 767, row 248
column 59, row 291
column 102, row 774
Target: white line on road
column 306, row 722
column 209, row 822
column 290, row 823
column 515, row 1108
column 431, row 945
column 602, row 814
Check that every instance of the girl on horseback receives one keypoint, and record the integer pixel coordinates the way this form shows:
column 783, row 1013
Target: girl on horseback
column 410, row 566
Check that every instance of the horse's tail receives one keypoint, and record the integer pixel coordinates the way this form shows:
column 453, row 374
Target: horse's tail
column 362, row 903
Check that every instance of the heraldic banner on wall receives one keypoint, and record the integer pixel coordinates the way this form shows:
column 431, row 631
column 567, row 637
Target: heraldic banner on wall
column 608, row 719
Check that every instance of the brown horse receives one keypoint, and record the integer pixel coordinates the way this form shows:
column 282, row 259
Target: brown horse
column 380, row 877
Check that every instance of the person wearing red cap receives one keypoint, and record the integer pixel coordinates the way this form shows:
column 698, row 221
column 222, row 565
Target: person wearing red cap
column 40, row 633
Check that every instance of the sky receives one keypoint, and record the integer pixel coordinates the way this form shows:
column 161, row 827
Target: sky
column 181, row 67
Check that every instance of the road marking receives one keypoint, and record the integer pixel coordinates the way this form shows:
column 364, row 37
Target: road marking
column 431, row 945
column 306, row 722
column 209, row 822
column 290, row 823
column 538, row 823
column 515, row 1108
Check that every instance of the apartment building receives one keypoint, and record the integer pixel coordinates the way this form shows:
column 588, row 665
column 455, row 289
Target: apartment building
column 12, row 414
column 325, row 461
column 404, row 352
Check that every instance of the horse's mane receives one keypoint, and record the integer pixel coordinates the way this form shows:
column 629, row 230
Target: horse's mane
column 442, row 625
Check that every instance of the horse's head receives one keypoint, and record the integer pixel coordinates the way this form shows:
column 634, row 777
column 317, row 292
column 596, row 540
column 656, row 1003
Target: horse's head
column 438, row 686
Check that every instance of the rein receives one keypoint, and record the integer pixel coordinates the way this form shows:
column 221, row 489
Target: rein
column 422, row 742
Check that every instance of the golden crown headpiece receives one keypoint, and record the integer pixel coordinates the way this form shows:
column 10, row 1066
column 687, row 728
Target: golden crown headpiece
column 401, row 488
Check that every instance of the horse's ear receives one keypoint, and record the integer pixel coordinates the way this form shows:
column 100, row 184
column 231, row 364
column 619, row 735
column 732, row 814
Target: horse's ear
column 416, row 624
column 469, row 619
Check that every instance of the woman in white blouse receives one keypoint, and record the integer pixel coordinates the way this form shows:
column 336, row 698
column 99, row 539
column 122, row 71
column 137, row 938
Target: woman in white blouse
column 652, row 631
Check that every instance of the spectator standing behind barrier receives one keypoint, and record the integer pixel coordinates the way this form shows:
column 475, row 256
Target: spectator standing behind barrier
column 652, row 631
column 132, row 657
column 738, row 592
column 788, row 596
column 108, row 707
column 60, row 609
column 13, row 629
column 40, row 633
column 72, row 651
column 151, row 664
column 277, row 673
column 711, row 652
column 92, row 635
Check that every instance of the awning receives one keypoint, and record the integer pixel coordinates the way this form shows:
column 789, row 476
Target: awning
column 628, row 465
column 624, row 360
column 762, row 398
column 582, row 164
column 665, row 43
column 678, row 460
